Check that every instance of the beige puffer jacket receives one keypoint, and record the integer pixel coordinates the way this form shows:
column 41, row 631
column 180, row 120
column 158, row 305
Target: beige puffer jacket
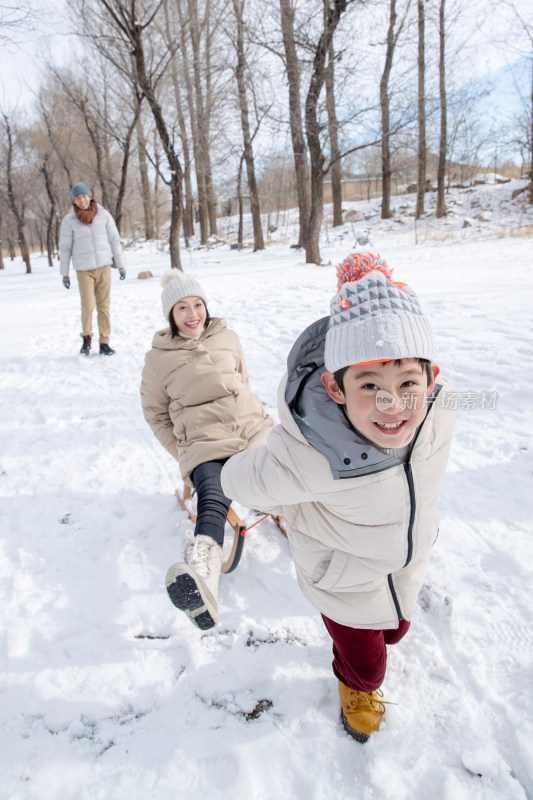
column 360, row 544
column 196, row 397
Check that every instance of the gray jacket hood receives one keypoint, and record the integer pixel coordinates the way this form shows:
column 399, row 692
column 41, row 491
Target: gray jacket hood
column 322, row 421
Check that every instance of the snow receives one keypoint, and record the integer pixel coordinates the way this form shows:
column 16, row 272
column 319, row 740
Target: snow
column 107, row 691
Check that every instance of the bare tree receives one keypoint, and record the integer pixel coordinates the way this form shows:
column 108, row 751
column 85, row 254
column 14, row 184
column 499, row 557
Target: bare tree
column 441, row 168
column 195, row 122
column 52, row 116
column 2, row 265
column 45, row 171
column 14, row 20
column 16, row 203
column 125, row 18
column 333, row 10
column 333, row 128
column 422, row 150
column 197, row 76
column 393, row 34
column 292, row 67
column 188, row 205
column 238, row 7
column 526, row 24
column 85, row 100
column 145, row 183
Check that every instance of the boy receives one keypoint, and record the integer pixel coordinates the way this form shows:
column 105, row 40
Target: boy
column 355, row 468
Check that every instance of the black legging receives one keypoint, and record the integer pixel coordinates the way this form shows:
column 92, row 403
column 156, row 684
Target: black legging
column 211, row 502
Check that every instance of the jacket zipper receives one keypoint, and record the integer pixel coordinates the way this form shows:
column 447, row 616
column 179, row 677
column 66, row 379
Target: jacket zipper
column 395, row 598
column 410, row 483
column 412, row 500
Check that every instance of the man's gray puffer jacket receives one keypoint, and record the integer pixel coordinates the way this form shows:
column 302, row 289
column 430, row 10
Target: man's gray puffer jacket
column 89, row 246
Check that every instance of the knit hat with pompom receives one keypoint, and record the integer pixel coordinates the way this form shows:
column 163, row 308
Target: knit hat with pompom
column 373, row 318
column 176, row 285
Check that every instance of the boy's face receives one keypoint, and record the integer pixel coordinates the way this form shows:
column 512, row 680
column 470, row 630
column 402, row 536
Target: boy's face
column 386, row 401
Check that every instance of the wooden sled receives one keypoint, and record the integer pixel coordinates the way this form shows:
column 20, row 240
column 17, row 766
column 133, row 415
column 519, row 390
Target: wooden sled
column 238, row 525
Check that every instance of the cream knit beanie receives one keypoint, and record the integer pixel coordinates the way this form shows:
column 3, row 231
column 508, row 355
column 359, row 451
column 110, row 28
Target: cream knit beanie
column 177, row 285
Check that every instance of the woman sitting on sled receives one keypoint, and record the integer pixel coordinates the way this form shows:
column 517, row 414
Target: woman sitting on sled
column 197, row 400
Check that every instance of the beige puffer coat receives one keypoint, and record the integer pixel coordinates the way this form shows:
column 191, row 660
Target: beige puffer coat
column 360, row 542
column 196, row 397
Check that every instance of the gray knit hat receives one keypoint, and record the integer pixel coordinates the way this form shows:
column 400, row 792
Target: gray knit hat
column 177, row 285
column 374, row 319
column 79, row 188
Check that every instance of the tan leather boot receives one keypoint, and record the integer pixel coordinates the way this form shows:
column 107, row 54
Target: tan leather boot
column 361, row 712
column 193, row 585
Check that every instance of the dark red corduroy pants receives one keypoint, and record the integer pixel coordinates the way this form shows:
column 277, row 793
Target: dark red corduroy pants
column 360, row 654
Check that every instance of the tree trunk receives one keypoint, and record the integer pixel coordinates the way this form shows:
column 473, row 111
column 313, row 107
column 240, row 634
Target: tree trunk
column 52, row 210
column 57, row 228
column 196, row 110
column 332, row 16
column 210, row 188
column 188, row 205
column 2, row 265
column 531, row 141
column 386, row 169
column 126, row 146
column 333, row 128
column 441, row 169
column 422, row 153
column 18, row 213
column 176, row 174
column 245, row 123
column 295, row 118
column 240, row 203
column 92, row 130
column 145, row 183
column 157, row 165
column 124, row 17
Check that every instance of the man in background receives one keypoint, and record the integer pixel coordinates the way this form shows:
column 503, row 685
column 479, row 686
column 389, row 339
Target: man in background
column 91, row 239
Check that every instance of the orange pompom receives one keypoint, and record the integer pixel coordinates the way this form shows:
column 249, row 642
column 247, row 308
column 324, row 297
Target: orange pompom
column 357, row 265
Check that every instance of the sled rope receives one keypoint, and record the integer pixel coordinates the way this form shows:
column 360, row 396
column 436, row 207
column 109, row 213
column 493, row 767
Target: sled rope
column 245, row 531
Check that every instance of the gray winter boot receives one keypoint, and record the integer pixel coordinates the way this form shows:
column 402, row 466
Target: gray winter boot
column 193, row 586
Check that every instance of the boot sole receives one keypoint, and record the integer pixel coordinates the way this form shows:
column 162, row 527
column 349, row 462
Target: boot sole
column 185, row 592
column 357, row 735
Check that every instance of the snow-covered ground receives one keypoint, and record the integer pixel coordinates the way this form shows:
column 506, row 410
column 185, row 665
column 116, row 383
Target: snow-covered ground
column 106, row 691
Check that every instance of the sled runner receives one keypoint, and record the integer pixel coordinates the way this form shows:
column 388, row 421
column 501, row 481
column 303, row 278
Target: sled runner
column 238, row 525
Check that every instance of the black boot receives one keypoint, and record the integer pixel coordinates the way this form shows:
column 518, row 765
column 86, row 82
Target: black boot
column 86, row 346
column 105, row 350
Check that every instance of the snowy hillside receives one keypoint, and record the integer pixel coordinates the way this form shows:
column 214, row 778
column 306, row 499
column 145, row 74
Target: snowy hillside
column 107, row 691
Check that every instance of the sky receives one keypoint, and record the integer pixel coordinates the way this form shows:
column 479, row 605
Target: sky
column 21, row 62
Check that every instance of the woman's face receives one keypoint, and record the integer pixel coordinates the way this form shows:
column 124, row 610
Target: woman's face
column 190, row 315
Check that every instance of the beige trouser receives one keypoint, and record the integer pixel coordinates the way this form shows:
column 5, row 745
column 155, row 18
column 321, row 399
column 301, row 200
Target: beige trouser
column 95, row 290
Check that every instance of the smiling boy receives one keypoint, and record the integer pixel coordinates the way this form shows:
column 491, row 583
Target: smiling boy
column 355, row 468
